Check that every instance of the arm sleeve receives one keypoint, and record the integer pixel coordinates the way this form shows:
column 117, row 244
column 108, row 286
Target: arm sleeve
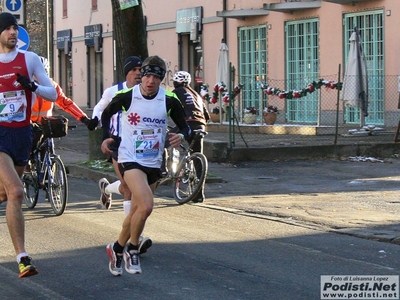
column 67, row 105
column 106, row 98
column 177, row 114
column 180, row 93
column 120, row 101
column 45, row 88
column 206, row 113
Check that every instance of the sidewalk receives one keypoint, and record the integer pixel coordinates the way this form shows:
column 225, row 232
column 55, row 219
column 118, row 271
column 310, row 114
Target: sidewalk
column 349, row 197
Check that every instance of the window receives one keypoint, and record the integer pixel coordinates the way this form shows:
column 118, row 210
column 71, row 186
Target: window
column 370, row 26
column 302, row 67
column 252, row 64
column 94, row 5
column 65, row 8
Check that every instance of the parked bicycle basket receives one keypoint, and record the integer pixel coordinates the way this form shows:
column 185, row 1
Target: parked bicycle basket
column 55, row 126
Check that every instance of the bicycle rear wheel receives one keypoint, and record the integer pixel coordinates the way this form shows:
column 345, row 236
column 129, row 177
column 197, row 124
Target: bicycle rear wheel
column 57, row 186
column 188, row 184
column 30, row 184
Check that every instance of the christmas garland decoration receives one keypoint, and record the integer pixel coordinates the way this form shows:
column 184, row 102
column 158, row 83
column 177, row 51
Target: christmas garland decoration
column 220, row 88
column 311, row 87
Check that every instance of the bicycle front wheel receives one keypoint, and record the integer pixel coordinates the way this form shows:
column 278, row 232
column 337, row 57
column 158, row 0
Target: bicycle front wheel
column 57, row 186
column 188, row 183
column 30, row 184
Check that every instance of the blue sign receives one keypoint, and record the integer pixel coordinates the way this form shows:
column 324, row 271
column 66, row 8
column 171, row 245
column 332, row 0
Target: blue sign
column 13, row 5
column 23, row 38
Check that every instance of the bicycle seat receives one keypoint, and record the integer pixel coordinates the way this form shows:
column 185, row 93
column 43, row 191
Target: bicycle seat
column 200, row 132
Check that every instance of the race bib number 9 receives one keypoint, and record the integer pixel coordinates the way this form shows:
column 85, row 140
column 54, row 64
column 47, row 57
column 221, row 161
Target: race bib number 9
column 13, row 106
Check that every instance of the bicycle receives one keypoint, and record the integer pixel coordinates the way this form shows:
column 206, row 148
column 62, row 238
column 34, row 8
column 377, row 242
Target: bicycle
column 46, row 169
column 182, row 172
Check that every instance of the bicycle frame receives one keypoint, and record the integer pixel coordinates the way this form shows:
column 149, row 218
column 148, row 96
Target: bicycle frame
column 199, row 135
column 45, row 162
column 182, row 159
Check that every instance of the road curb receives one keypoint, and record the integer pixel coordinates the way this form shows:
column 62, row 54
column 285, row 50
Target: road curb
column 307, row 152
column 95, row 175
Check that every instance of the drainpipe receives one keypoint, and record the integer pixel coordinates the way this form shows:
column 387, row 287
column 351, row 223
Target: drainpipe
column 224, row 26
column 224, row 33
column 48, row 37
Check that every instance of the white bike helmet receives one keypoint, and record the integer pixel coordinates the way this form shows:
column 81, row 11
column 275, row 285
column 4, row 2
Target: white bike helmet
column 45, row 63
column 182, row 77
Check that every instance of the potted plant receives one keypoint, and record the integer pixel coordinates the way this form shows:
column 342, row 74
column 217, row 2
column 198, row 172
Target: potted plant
column 214, row 114
column 270, row 114
column 250, row 115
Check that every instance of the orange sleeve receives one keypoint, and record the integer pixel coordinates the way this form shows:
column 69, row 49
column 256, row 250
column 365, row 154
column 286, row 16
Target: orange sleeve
column 67, row 104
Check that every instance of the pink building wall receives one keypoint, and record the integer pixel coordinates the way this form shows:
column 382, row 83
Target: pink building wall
column 163, row 39
column 79, row 16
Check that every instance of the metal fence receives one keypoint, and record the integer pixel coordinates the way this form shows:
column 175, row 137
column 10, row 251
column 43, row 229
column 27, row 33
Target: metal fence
column 310, row 112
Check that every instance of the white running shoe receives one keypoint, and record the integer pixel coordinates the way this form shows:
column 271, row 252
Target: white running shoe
column 115, row 264
column 105, row 199
column 132, row 262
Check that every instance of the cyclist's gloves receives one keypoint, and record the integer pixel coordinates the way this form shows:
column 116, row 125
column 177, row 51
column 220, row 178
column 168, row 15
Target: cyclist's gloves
column 91, row 124
column 26, row 82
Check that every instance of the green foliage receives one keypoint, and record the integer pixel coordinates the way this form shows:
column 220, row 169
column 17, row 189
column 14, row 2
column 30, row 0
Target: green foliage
column 98, row 165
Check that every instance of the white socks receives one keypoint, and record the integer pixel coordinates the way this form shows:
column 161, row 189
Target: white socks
column 19, row 256
column 127, row 206
column 113, row 188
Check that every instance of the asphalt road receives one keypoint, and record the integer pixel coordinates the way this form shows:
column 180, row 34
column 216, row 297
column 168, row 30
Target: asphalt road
column 199, row 252
column 347, row 196
column 267, row 231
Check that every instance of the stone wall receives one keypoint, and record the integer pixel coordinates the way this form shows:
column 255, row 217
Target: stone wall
column 36, row 25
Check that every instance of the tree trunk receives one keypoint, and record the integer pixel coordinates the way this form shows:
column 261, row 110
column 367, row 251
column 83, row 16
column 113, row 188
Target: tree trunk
column 129, row 34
